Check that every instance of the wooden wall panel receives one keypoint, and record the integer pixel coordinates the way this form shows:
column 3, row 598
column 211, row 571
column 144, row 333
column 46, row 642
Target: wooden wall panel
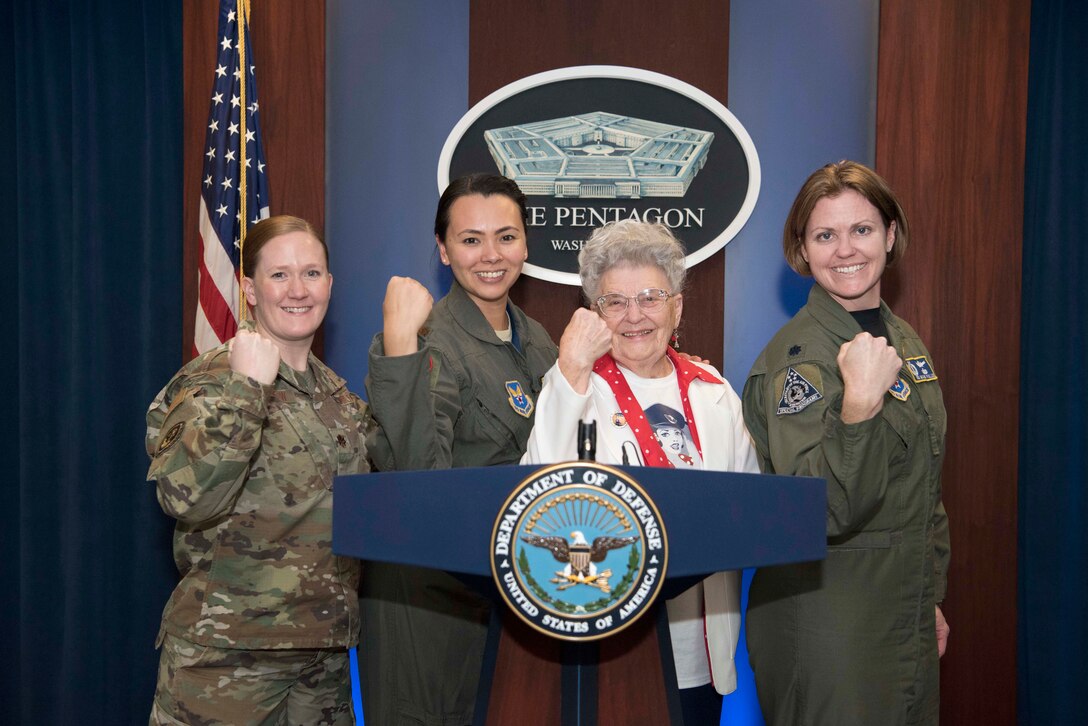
column 289, row 42
column 951, row 121
column 687, row 39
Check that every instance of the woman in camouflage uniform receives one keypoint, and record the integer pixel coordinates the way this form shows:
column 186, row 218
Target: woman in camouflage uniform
column 244, row 442
column 459, row 392
column 846, row 391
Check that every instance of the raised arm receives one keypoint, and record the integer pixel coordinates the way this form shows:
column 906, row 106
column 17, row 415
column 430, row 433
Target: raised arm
column 204, row 429
column 830, row 428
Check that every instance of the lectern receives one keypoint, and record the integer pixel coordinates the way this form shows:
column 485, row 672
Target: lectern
column 446, row 519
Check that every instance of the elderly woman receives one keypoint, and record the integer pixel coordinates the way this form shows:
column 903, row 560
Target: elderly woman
column 653, row 408
column 245, row 441
column 846, row 391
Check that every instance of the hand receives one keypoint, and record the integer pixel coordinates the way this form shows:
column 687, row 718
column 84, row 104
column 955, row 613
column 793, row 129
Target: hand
column 692, row 358
column 254, row 355
column 585, row 339
column 943, row 630
column 869, row 367
column 405, row 309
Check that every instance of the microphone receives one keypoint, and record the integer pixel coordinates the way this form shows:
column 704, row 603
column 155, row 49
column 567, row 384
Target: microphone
column 587, row 441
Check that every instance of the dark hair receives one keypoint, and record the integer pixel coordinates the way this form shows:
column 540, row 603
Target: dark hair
column 485, row 185
column 831, row 181
column 267, row 230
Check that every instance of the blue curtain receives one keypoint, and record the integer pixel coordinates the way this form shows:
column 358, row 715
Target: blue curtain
column 1053, row 590
column 93, row 158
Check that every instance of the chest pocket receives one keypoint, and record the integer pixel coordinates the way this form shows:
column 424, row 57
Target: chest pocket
column 490, row 416
column 336, row 413
column 904, row 422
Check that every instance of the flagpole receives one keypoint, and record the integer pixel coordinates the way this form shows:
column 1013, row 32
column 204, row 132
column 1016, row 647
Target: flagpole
column 243, row 70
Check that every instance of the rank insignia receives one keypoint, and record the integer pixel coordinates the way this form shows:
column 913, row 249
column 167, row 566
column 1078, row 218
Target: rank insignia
column 519, row 400
column 797, row 393
column 795, row 350
column 619, row 420
column 900, row 389
column 920, row 369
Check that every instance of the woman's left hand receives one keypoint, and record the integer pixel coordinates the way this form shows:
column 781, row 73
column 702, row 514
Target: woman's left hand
column 943, row 630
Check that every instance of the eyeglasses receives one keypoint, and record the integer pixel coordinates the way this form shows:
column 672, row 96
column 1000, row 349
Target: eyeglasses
column 649, row 300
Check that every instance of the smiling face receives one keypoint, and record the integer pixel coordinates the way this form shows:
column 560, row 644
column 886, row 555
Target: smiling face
column 639, row 338
column 289, row 290
column 846, row 247
column 671, row 438
column 485, row 248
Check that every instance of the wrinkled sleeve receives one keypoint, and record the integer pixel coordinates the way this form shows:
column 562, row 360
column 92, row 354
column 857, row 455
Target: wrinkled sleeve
column 415, row 402
column 942, row 553
column 852, row 458
column 559, row 407
column 202, row 433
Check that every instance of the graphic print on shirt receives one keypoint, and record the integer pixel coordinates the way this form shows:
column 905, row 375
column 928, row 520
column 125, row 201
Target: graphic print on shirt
column 673, row 433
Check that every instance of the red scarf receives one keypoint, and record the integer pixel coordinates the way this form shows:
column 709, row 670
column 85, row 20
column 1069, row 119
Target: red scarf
column 686, row 372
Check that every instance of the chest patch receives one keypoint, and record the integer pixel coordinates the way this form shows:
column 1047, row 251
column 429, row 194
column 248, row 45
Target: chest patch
column 900, row 389
column 798, row 392
column 920, row 369
column 519, row 399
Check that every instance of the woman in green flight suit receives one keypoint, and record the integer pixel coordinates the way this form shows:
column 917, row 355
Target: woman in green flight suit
column 450, row 386
column 846, row 391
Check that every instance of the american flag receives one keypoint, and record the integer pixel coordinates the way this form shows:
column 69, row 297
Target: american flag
column 223, row 178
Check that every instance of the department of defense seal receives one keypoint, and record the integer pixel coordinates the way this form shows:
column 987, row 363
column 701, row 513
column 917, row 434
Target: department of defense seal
column 579, row 551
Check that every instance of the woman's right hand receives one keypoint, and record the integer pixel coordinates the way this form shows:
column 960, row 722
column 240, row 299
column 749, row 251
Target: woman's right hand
column 404, row 311
column 869, row 367
column 585, row 339
column 254, row 355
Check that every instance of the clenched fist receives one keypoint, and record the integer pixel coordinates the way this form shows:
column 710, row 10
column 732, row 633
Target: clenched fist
column 869, row 367
column 253, row 355
column 585, row 339
column 405, row 309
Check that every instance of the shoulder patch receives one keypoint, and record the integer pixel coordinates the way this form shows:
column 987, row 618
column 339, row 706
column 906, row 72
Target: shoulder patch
column 920, row 369
column 798, row 392
column 900, row 389
column 170, row 437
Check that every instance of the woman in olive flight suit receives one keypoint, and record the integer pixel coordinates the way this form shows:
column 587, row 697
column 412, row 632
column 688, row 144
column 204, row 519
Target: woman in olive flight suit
column 846, row 391
column 450, row 386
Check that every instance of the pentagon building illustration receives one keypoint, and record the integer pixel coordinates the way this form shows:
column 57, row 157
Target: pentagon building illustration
column 599, row 155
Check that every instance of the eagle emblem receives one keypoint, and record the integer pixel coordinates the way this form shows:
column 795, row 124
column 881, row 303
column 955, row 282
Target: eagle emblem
column 580, row 558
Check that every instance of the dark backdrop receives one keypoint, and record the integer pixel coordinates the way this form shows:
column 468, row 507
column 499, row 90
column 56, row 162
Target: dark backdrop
column 1053, row 593
column 93, row 167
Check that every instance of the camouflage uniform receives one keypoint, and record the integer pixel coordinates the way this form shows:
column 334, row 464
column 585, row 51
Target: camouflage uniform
column 446, row 406
column 247, row 470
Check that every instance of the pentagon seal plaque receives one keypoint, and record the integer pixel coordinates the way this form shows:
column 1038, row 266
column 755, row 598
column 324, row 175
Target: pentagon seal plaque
column 579, row 551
